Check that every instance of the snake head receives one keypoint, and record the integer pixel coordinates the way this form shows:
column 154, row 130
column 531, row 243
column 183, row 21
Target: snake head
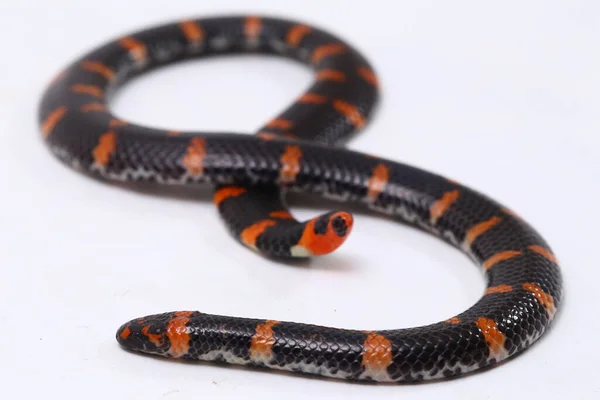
column 324, row 234
column 160, row 334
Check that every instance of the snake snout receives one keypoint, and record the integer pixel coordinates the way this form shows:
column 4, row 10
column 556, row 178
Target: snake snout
column 341, row 223
column 146, row 336
column 324, row 234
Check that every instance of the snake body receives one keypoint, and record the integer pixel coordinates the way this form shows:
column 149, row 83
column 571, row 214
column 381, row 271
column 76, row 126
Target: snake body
column 300, row 150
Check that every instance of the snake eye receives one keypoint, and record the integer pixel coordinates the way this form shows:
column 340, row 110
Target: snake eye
column 341, row 223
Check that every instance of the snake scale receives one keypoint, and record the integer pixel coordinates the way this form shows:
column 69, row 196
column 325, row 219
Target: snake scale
column 301, row 150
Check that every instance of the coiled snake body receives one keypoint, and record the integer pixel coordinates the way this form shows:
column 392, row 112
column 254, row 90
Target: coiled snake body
column 299, row 151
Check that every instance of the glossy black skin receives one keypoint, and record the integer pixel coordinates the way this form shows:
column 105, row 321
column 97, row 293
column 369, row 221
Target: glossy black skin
column 432, row 351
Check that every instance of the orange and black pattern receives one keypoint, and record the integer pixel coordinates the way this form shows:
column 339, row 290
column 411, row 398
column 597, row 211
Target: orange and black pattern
column 299, row 150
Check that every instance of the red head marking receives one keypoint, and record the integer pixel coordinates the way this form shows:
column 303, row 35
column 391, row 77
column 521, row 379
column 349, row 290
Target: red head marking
column 318, row 241
column 156, row 339
column 124, row 334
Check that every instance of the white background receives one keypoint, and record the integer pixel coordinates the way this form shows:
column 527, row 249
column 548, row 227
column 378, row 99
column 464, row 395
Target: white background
column 504, row 99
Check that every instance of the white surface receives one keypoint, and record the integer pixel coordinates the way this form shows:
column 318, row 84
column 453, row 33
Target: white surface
column 504, row 99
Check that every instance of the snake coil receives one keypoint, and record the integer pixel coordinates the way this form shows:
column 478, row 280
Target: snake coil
column 300, row 150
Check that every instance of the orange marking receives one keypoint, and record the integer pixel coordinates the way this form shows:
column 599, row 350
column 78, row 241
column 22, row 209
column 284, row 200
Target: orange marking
column 500, row 256
column 193, row 31
column 173, row 133
column 280, row 124
column 116, row 122
column 377, row 181
column 125, row 333
column 252, row 27
column 378, row 353
column 283, row 214
column 155, row 338
column 312, row 98
column 178, row 335
column 52, row 120
column 331, row 75
column 196, row 152
column 493, row 337
column 93, row 107
column 290, row 164
column 88, row 89
column 368, row 75
column 442, row 205
column 251, row 233
column 99, row 68
column 544, row 298
column 453, row 321
column 543, row 252
column 327, row 50
column 227, row 192
column 349, row 111
column 107, row 144
column 136, row 49
column 320, row 244
column 296, row 34
column 499, row 289
column 479, row 229
column 261, row 344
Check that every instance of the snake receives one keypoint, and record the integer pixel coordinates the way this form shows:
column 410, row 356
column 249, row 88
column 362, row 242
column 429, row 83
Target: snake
column 301, row 150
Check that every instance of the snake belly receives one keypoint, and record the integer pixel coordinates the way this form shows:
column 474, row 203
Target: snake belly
column 300, row 151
